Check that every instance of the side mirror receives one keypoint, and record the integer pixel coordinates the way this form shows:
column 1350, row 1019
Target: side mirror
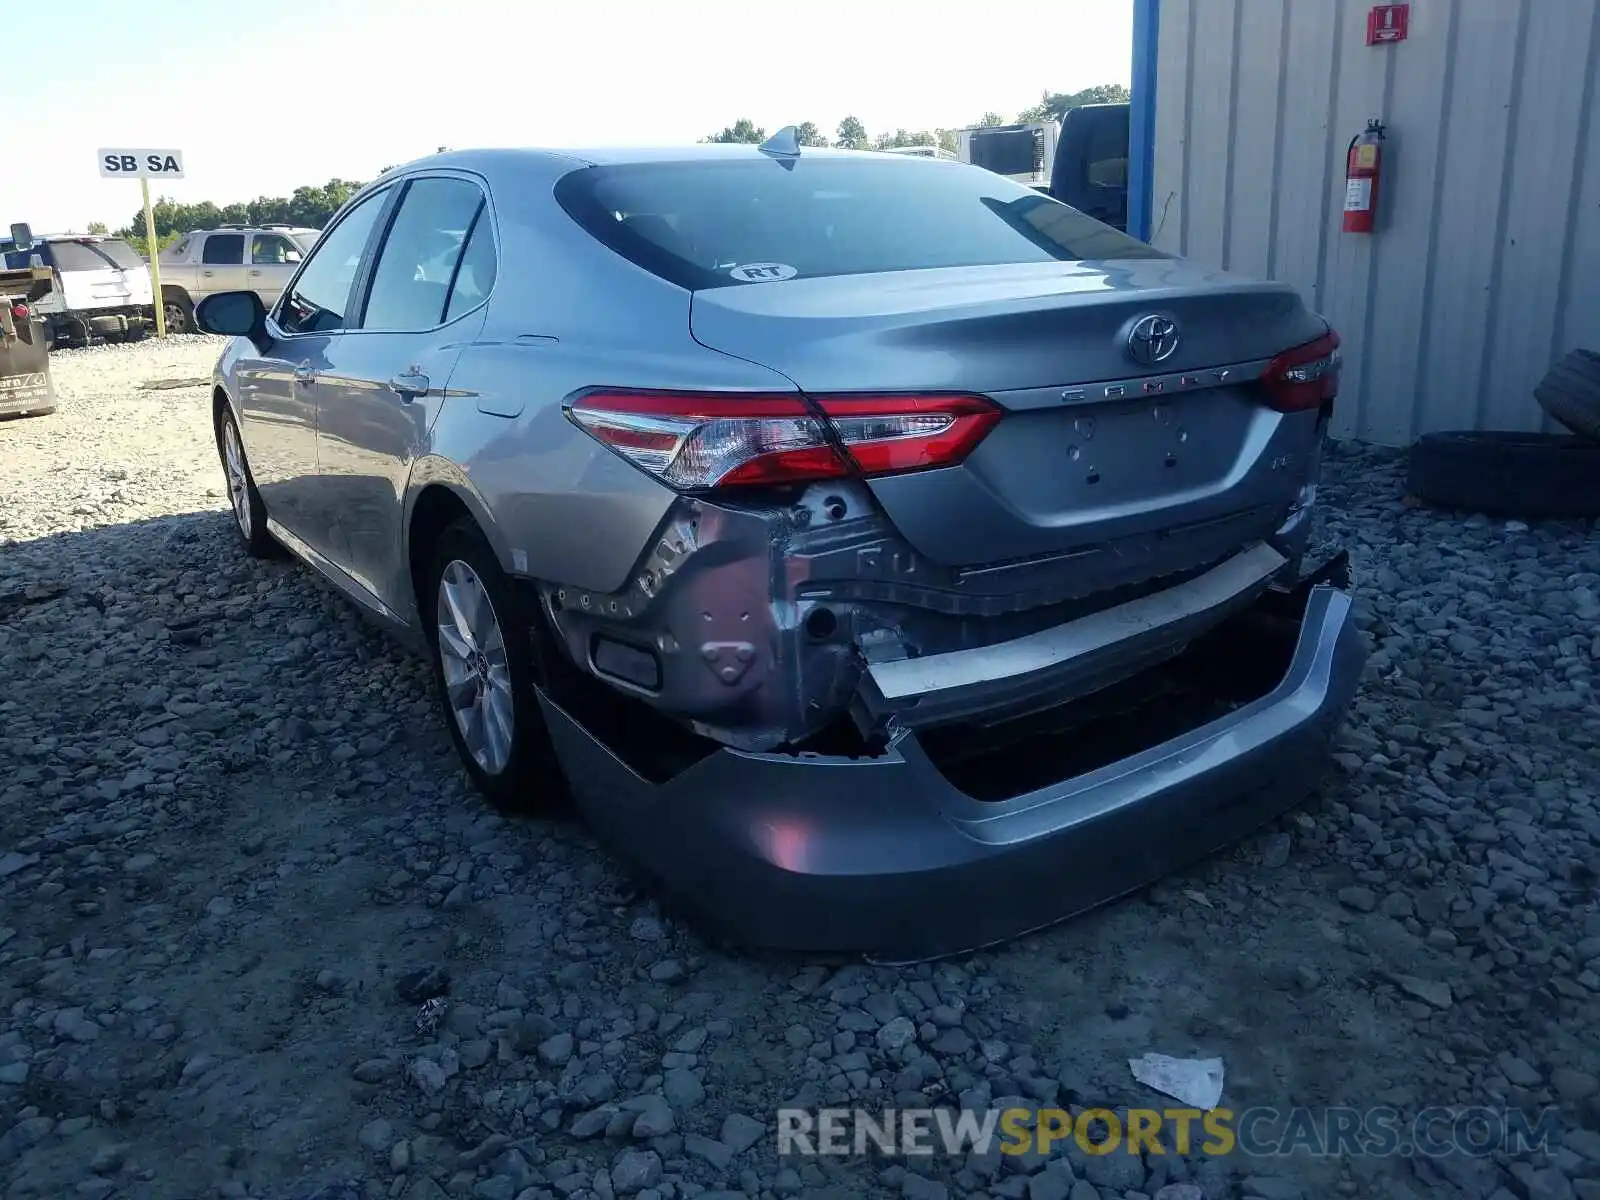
column 232, row 314
column 21, row 238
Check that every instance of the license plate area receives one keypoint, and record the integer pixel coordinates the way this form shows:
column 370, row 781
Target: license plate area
column 1120, row 452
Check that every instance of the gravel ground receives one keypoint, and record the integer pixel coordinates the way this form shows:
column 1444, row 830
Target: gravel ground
column 236, row 854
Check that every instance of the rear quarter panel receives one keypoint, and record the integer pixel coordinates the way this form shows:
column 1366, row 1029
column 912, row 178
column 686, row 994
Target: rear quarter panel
column 565, row 314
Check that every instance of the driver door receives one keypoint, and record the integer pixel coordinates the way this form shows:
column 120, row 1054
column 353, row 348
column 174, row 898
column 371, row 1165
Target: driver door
column 277, row 385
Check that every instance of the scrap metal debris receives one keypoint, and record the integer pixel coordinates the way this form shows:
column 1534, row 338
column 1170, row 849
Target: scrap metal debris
column 165, row 385
column 429, row 1014
column 1197, row 1082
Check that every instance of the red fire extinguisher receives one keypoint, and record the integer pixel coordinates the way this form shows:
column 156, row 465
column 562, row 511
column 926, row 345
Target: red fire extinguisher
column 1363, row 162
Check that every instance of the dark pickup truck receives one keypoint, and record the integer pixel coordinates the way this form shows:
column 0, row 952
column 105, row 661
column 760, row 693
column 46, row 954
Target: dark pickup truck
column 1091, row 162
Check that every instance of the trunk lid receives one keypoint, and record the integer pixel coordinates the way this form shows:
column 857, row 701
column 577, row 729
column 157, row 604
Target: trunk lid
column 1069, row 467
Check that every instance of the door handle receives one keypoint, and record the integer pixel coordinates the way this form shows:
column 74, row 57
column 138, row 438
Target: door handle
column 255, row 272
column 410, row 385
column 208, row 274
column 304, row 374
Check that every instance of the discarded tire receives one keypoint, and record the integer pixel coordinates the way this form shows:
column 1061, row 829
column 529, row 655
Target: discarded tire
column 1570, row 393
column 1507, row 474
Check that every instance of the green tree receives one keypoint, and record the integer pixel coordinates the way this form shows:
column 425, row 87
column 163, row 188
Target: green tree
column 810, row 135
column 310, row 207
column 742, row 130
column 97, row 228
column 992, row 118
column 852, row 135
column 1054, row 105
column 901, row 137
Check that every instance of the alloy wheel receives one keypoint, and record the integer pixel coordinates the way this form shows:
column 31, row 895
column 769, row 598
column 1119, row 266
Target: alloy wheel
column 238, row 477
column 177, row 319
column 477, row 674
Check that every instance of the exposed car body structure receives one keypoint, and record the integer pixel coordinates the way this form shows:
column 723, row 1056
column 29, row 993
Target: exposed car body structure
column 892, row 557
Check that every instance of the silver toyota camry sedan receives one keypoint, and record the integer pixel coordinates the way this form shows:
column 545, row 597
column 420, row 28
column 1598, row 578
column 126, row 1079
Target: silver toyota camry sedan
column 883, row 555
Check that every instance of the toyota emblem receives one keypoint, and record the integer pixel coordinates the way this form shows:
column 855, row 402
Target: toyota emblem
column 1153, row 339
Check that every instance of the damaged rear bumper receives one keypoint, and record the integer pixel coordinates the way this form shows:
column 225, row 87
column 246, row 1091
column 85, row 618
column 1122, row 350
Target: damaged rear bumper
column 896, row 854
column 1063, row 663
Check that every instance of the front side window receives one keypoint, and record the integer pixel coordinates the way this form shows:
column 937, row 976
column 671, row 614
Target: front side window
column 317, row 302
column 223, row 250
column 738, row 223
column 411, row 284
column 270, row 249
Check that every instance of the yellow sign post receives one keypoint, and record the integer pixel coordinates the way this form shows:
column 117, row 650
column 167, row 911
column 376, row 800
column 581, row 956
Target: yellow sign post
column 141, row 164
column 155, row 259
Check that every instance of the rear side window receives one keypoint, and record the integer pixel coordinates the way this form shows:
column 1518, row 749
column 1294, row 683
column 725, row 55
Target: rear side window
column 475, row 275
column 720, row 224
column 223, row 250
column 411, row 284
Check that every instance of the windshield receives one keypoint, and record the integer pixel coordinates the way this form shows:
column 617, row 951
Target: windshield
column 720, row 224
column 89, row 255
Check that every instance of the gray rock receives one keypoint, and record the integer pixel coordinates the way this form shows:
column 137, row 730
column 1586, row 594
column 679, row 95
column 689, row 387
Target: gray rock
column 740, row 1132
column 1429, row 991
column 683, row 1090
column 1361, row 899
column 634, row 1170
column 896, row 1034
column 556, row 1050
column 1518, row 1072
column 377, row 1135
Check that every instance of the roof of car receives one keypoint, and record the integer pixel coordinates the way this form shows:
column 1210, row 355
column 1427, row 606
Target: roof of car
column 489, row 158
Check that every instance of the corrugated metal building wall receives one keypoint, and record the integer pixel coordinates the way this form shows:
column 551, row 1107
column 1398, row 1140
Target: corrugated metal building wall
column 1485, row 265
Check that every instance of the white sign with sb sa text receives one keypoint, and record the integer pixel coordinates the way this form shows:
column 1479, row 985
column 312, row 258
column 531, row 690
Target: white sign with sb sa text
column 141, row 164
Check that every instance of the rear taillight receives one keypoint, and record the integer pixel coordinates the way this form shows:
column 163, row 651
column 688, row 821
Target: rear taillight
column 700, row 440
column 1305, row 377
column 19, row 311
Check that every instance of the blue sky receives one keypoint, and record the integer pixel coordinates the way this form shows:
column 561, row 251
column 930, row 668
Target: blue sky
column 263, row 98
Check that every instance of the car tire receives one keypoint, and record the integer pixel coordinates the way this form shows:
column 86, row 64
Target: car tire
column 249, row 513
column 1570, row 393
column 1506, row 474
column 178, row 310
column 485, row 660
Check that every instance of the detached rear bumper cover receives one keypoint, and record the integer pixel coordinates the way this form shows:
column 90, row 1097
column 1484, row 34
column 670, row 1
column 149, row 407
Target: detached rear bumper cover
column 808, row 852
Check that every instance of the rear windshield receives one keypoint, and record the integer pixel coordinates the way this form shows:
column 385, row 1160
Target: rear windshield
column 721, row 224
column 92, row 256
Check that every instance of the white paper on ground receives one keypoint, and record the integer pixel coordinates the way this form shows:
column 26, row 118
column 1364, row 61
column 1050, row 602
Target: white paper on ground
column 1197, row 1082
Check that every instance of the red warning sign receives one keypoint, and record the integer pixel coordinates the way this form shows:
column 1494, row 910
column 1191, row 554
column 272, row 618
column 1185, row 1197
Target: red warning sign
column 1388, row 23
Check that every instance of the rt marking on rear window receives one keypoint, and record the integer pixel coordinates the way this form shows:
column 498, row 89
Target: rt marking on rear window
column 763, row 272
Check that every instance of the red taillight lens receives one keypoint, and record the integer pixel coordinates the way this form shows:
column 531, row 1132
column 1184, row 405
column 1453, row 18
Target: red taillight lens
column 698, row 440
column 1305, row 377
column 19, row 311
